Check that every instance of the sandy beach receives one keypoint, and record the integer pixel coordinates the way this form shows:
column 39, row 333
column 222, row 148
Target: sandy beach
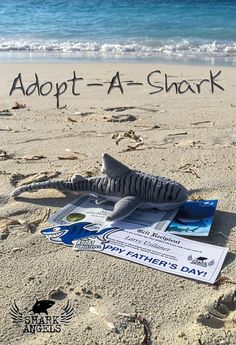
column 189, row 137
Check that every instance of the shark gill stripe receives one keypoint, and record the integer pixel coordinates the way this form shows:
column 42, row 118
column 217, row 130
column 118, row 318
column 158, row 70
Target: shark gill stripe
column 121, row 181
column 177, row 194
column 105, row 185
column 168, row 197
column 171, row 192
column 118, row 184
column 159, row 190
column 149, row 189
column 130, row 183
column 74, row 185
column 137, row 179
column 146, row 188
column 95, row 184
column 133, row 183
column 101, row 185
column 124, row 184
column 121, row 184
column 122, row 188
column 166, row 189
column 143, row 184
column 108, row 187
column 136, row 184
column 154, row 188
column 163, row 190
column 134, row 190
column 90, row 184
column 113, row 185
column 140, row 184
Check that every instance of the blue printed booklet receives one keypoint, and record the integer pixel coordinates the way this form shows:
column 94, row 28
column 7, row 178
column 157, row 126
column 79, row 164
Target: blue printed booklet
column 194, row 218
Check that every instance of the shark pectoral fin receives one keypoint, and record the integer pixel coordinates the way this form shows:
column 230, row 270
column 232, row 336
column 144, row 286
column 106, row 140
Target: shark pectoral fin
column 124, row 207
column 77, row 178
column 113, row 168
column 100, row 201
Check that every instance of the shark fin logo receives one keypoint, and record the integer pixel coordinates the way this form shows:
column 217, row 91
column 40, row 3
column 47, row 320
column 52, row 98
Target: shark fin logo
column 81, row 236
column 41, row 323
column 42, row 306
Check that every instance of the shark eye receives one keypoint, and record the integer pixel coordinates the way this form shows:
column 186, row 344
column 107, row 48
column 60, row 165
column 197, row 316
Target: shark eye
column 57, row 228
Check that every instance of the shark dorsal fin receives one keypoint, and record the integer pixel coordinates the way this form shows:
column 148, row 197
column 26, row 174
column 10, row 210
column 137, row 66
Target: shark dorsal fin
column 113, row 168
column 77, row 178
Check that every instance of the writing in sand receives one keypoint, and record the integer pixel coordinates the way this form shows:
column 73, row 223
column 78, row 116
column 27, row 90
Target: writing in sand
column 158, row 82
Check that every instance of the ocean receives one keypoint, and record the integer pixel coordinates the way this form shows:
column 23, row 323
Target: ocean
column 192, row 31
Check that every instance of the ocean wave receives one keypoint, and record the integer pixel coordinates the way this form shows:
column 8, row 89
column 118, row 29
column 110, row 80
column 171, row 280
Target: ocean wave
column 170, row 48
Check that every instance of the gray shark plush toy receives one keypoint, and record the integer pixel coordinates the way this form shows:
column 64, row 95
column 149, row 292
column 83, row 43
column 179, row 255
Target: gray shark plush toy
column 129, row 189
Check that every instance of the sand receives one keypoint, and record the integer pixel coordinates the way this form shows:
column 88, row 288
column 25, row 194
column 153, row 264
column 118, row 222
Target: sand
column 189, row 137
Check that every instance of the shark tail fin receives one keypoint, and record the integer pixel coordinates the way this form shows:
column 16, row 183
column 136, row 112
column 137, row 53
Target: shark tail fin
column 54, row 184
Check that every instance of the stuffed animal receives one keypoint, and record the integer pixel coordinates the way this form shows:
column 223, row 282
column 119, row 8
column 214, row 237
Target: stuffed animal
column 129, row 189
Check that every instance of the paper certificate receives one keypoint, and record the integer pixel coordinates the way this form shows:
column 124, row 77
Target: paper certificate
column 167, row 253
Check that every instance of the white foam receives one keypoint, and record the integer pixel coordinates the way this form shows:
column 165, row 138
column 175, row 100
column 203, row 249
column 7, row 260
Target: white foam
column 170, row 48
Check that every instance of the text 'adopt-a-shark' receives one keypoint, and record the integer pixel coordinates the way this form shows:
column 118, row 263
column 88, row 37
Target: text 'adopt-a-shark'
column 129, row 189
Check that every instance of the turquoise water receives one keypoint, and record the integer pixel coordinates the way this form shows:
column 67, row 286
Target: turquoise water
column 170, row 30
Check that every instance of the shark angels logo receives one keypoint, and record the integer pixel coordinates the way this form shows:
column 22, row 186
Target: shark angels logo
column 201, row 261
column 32, row 323
column 81, row 235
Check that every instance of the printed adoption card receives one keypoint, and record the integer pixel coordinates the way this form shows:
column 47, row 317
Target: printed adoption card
column 151, row 85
